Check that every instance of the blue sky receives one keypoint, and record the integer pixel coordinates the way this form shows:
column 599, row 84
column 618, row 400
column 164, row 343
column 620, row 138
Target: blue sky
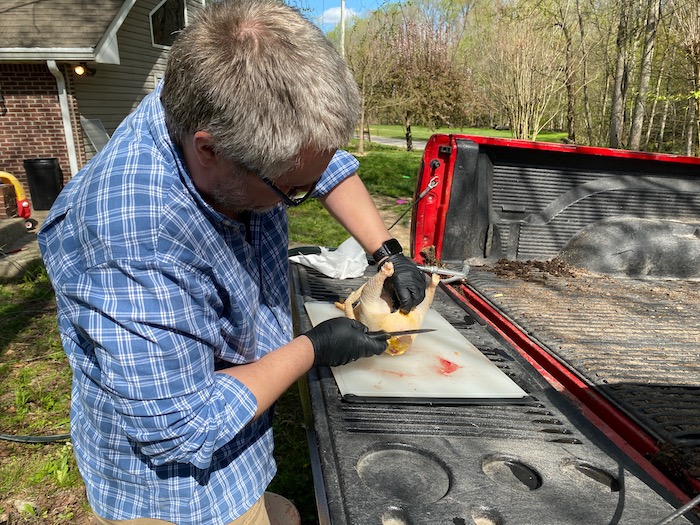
column 326, row 13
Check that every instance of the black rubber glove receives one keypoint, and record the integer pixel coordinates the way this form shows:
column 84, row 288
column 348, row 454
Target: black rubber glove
column 341, row 340
column 407, row 285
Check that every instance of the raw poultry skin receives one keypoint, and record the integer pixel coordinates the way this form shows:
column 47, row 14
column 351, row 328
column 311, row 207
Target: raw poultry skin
column 370, row 305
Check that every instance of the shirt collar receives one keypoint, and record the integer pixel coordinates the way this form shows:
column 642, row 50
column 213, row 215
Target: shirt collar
column 173, row 154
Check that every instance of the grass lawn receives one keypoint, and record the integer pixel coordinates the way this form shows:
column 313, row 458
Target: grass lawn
column 39, row 483
column 423, row 133
column 386, row 171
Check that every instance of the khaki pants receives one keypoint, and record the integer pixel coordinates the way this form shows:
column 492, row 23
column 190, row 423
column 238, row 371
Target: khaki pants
column 255, row 515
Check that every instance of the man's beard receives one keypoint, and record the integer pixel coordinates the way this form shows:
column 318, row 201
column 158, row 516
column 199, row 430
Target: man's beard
column 232, row 196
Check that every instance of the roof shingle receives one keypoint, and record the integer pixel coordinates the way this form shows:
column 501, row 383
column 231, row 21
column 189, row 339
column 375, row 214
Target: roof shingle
column 55, row 23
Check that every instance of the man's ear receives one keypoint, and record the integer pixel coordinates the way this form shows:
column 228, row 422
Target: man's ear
column 204, row 148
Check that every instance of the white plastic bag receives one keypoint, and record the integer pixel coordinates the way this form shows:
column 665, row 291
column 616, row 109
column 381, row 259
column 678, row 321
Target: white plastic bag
column 348, row 261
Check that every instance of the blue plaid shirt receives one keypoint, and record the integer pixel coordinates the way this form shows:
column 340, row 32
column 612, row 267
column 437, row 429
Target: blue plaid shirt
column 154, row 287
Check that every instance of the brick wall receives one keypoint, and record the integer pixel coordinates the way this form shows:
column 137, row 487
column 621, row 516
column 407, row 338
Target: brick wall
column 30, row 119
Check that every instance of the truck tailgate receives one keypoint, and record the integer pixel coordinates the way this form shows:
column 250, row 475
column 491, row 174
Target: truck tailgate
column 539, row 462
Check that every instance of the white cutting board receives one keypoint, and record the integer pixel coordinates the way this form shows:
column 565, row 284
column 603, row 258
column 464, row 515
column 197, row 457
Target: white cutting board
column 439, row 365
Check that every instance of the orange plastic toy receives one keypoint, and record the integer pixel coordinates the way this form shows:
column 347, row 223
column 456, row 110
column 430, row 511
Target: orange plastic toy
column 23, row 208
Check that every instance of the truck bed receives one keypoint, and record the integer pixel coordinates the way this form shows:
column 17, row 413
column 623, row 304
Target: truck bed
column 593, row 256
column 635, row 341
column 537, row 462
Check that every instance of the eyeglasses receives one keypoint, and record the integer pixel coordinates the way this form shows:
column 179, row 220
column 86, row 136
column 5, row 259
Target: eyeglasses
column 295, row 196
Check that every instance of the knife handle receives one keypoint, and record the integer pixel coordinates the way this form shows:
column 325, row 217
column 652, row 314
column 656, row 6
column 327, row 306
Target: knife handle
column 380, row 335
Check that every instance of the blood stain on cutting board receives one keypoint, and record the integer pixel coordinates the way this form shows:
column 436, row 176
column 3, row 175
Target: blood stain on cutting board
column 446, row 367
column 397, row 373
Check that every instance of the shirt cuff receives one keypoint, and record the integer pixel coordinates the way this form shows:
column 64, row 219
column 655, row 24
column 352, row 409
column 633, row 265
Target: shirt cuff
column 237, row 407
column 341, row 166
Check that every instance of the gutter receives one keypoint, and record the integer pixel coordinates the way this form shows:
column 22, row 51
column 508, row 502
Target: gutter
column 65, row 115
column 107, row 49
column 24, row 54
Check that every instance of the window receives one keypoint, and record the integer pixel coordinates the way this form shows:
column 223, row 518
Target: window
column 167, row 19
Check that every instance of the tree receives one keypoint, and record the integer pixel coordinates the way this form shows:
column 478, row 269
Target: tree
column 561, row 15
column 626, row 73
column 622, row 72
column 370, row 58
column 524, row 69
column 406, row 61
column 687, row 21
column 583, row 48
column 433, row 79
column 637, row 123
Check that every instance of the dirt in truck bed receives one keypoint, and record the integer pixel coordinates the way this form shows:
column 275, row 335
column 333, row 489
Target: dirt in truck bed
column 533, row 270
column 637, row 341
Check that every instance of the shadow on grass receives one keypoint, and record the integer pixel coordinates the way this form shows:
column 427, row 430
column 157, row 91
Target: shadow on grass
column 21, row 303
column 294, row 480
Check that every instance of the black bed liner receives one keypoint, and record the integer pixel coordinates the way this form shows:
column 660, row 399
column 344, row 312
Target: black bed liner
column 541, row 462
column 636, row 341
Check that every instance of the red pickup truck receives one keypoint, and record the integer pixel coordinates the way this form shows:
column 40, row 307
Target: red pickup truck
column 582, row 288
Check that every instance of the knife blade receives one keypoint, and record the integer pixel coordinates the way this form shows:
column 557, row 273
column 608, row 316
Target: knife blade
column 381, row 334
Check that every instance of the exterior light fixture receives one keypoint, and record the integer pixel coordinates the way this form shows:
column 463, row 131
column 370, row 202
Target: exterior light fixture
column 82, row 70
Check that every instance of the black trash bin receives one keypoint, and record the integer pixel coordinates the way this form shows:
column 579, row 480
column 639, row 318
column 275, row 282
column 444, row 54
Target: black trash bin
column 45, row 180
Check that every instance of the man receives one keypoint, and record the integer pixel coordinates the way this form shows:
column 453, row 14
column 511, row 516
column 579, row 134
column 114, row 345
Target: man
column 168, row 255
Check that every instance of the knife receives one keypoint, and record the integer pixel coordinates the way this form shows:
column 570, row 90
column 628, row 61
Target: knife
column 381, row 334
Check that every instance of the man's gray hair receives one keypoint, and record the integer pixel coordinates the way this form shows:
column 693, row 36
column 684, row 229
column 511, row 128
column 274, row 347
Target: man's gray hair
column 263, row 81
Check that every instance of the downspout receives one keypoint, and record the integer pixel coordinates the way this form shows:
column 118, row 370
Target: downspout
column 65, row 115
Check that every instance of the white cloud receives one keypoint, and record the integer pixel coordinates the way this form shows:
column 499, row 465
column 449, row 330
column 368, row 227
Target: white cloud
column 332, row 16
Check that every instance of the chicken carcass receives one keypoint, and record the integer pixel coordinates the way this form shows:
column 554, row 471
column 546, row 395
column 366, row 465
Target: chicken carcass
column 370, row 305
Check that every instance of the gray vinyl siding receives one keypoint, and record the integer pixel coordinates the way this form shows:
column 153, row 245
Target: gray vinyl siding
column 115, row 90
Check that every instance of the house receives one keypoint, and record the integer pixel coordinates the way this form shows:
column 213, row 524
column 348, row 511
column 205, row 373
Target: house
column 71, row 70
